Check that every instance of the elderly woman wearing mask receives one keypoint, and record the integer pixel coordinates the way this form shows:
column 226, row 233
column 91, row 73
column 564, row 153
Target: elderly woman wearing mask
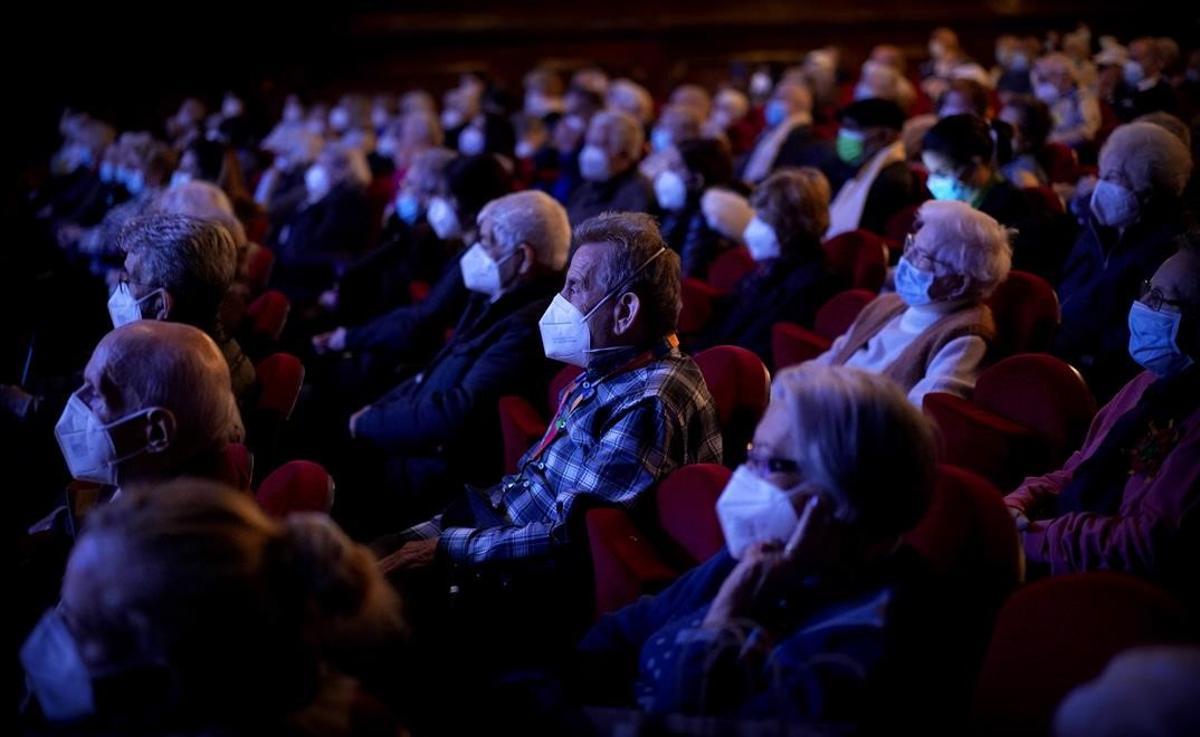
column 234, row 622
column 813, row 570
column 1075, row 111
column 1135, row 215
column 933, row 333
column 791, row 210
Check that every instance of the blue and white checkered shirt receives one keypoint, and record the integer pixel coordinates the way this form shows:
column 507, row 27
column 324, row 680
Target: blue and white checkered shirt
column 619, row 436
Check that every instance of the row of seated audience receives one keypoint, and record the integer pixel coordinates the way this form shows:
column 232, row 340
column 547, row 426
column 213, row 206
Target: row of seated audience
column 423, row 288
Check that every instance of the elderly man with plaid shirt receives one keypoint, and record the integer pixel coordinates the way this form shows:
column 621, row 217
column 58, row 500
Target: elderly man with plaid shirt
column 639, row 410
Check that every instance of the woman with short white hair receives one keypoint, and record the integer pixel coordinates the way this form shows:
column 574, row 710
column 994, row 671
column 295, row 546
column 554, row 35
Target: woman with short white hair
column 787, row 621
column 1135, row 215
column 933, row 332
column 608, row 164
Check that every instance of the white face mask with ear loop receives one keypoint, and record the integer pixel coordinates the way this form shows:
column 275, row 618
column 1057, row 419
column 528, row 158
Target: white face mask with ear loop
column 752, row 510
column 443, row 219
column 565, row 333
column 481, row 272
column 87, row 444
column 123, row 308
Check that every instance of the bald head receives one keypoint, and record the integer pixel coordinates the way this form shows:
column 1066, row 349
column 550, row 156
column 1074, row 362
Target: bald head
column 175, row 374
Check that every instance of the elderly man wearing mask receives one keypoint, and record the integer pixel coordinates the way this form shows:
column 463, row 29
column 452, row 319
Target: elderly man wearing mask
column 933, row 333
column 1126, row 499
column 1075, row 110
column 1144, row 88
column 433, row 426
column 788, row 139
column 187, row 605
column 179, row 269
column 608, row 164
column 874, row 181
column 1135, row 215
column 638, row 411
column 813, row 571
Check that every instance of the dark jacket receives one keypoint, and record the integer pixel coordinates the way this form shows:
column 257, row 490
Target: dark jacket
column 688, row 234
column 447, row 412
column 410, row 330
column 1102, row 277
column 1132, row 103
column 803, row 148
column 787, row 289
column 626, row 192
column 320, row 236
column 896, row 188
column 379, row 280
column 1043, row 237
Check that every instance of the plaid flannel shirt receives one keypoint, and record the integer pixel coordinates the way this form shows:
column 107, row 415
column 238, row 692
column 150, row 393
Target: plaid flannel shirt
column 624, row 434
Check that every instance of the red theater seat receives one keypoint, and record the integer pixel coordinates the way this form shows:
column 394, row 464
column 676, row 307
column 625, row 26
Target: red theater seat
column 687, row 510
column 1058, row 633
column 860, row 257
column 1027, row 314
column 1028, row 413
column 900, row 225
column 1047, row 198
column 1061, row 163
column 268, row 315
column 297, row 486
column 729, row 268
column 741, row 387
column 280, row 377
column 237, row 467
column 624, row 563
column 792, row 344
column 697, row 297
column 259, row 268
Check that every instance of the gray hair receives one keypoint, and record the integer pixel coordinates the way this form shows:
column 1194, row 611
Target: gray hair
column 638, row 263
column 347, row 165
column 193, row 259
column 200, row 199
column 970, row 242
column 623, row 132
column 1152, row 158
column 860, row 441
column 427, row 171
column 534, row 218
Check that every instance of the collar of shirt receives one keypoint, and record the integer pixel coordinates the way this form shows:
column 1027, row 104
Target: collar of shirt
column 917, row 319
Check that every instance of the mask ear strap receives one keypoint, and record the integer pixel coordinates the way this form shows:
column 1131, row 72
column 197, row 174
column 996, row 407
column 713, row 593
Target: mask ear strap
column 625, row 283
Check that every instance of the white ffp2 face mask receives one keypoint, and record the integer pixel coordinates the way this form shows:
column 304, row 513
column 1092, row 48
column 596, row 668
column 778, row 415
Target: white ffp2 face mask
column 593, row 164
column 481, row 272
column 761, row 240
column 123, row 308
column 752, row 510
column 670, row 191
column 471, row 142
column 87, row 444
column 443, row 219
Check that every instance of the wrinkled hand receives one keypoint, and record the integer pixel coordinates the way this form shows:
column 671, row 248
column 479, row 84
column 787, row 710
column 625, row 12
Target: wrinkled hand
column 410, row 556
column 333, row 341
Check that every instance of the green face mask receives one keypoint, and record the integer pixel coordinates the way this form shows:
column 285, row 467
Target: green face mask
column 850, row 145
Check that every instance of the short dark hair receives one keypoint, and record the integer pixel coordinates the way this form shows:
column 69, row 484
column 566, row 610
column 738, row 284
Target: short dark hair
column 192, row 258
column 708, row 157
column 960, row 138
column 1036, row 123
column 638, row 263
column 976, row 94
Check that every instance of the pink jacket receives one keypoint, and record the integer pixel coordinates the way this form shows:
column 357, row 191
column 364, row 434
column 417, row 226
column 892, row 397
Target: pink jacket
column 1152, row 507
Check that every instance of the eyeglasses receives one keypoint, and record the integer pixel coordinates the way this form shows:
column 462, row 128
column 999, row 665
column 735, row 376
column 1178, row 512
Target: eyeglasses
column 920, row 259
column 1152, row 297
column 763, row 463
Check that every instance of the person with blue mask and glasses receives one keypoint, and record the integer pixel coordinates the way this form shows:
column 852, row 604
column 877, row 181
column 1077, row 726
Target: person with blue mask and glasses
column 962, row 153
column 933, row 333
column 676, row 125
column 1126, row 499
column 1136, row 213
column 788, row 139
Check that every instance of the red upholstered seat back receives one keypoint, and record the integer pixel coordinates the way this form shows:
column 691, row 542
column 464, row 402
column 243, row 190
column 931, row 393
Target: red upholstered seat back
column 860, row 257
column 836, row 315
column 259, row 267
column 740, row 386
column 729, row 267
column 687, row 509
column 1025, row 308
column 237, row 466
column 296, row 486
column 268, row 314
column 280, row 377
column 624, row 563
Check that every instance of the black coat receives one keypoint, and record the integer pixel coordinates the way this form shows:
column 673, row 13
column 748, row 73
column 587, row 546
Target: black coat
column 688, row 234
column 1044, row 238
column 320, row 236
column 787, row 289
column 1101, row 279
column 895, row 189
column 626, row 192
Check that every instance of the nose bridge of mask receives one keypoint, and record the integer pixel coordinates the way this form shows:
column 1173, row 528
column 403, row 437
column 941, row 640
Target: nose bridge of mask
column 623, row 285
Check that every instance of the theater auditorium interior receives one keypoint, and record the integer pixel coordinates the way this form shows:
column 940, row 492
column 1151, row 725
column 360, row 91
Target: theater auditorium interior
column 618, row 369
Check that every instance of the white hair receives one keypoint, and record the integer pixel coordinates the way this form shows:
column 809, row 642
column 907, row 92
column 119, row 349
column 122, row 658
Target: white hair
column 860, row 442
column 534, row 218
column 797, row 93
column 1144, row 691
column 347, row 164
column 735, row 99
column 627, row 134
column 200, row 199
column 1151, row 158
column 968, row 241
column 632, row 98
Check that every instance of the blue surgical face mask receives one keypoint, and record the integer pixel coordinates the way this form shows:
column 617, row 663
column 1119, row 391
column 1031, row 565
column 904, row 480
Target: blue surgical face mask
column 775, row 113
column 1154, row 340
column 912, row 284
column 1114, row 205
column 660, row 140
column 408, row 208
column 945, row 187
